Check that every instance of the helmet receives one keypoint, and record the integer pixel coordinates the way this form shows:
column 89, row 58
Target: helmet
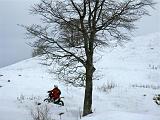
column 55, row 86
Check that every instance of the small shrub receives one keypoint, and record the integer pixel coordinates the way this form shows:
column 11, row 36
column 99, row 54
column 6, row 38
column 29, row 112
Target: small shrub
column 21, row 98
column 154, row 67
column 155, row 87
column 41, row 113
column 106, row 87
column 33, row 97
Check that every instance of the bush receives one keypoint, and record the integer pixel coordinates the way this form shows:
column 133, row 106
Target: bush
column 106, row 87
column 155, row 87
column 41, row 113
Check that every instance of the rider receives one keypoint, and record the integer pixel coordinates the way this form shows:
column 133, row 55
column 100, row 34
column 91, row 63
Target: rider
column 55, row 93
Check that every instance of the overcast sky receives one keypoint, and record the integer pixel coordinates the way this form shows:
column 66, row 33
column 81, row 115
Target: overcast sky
column 13, row 47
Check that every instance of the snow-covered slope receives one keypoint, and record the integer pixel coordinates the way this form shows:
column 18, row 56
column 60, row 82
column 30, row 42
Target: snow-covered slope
column 133, row 71
column 137, row 62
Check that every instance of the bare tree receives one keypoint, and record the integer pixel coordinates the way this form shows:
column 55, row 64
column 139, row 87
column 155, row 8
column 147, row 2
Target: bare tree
column 73, row 29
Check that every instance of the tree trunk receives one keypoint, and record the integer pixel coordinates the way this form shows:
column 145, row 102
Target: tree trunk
column 87, row 108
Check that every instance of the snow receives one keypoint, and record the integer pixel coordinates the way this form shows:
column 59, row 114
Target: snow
column 133, row 70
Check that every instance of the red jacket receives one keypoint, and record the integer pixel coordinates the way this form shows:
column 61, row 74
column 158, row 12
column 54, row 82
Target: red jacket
column 55, row 93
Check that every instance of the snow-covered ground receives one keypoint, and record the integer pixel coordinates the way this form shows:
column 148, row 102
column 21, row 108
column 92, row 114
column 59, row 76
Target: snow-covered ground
column 134, row 72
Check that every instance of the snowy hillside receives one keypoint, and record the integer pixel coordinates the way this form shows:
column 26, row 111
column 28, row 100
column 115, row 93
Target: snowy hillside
column 132, row 72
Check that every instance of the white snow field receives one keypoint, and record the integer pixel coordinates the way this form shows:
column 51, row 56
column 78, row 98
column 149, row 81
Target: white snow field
column 133, row 71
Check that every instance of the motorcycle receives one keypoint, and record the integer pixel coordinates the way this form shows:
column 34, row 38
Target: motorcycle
column 51, row 100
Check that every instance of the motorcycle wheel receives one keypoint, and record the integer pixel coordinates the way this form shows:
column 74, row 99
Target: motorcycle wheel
column 61, row 103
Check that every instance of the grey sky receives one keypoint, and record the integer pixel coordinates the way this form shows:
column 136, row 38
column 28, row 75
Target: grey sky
column 13, row 46
column 150, row 24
